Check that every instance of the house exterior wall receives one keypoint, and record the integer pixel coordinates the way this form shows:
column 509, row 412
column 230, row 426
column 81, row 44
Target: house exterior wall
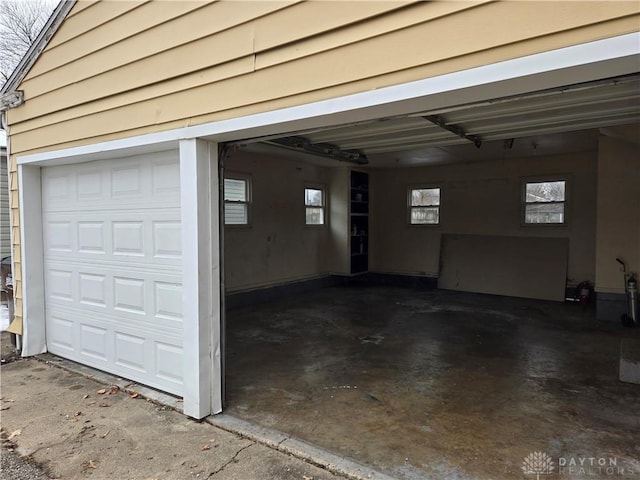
column 119, row 69
column 482, row 199
column 5, row 228
column 116, row 69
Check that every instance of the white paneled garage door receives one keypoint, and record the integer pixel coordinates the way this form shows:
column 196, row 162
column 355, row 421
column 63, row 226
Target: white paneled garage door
column 112, row 261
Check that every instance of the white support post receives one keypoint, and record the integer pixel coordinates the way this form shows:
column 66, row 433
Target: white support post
column 32, row 261
column 200, row 277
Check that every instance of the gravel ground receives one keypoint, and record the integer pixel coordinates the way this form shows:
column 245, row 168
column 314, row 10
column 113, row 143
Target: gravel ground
column 14, row 467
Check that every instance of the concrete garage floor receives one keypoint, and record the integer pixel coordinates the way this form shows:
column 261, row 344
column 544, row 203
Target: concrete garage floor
column 436, row 384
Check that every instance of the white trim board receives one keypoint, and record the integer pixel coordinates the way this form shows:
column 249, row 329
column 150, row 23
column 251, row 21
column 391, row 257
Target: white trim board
column 565, row 66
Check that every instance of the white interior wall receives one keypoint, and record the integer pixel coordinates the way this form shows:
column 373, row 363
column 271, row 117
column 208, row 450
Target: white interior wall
column 618, row 229
column 277, row 247
column 483, row 198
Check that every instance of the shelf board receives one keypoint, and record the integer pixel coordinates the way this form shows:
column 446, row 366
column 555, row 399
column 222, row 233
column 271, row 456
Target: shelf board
column 359, row 254
column 360, row 235
column 360, row 189
column 359, row 214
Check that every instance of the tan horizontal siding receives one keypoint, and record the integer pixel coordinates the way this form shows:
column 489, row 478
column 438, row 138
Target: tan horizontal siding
column 379, row 55
column 309, row 19
column 85, row 14
column 15, row 237
column 147, row 30
column 137, row 62
column 55, row 140
column 420, row 13
column 211, row 76
column 80, row 5
column 89, row 15
column 5, row 227
column 183, row 99
column 52, row 134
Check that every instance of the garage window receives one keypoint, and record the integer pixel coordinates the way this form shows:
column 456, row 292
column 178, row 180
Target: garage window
column 544, row 202
column 424, row 206
column 314, row 202
column 236, row 201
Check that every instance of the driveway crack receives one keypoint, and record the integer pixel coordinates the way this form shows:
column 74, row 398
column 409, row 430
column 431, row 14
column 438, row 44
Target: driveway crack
column 233, row 459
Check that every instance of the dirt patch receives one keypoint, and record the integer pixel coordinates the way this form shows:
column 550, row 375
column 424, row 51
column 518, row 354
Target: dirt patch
column 8, row 352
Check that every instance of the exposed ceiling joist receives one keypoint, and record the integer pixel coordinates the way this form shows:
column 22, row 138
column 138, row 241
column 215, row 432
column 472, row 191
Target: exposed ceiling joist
column 572, row 108
column 455, row 129
column 326, row 150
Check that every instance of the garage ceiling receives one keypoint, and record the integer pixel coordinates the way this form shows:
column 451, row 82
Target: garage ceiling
column 547, row 122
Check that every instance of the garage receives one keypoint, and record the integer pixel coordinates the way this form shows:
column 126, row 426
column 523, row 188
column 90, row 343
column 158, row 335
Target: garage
column 432, row 339
column 112, row 266
column 376, row 239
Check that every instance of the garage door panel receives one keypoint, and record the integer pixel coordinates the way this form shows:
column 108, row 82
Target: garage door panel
column 152, row 237
column 131, row 351
column 113, row 321
column 60, row 334
column 112, row 344
column 147, row 299
column 145, row 181
column 168, row 363
column 113, row 266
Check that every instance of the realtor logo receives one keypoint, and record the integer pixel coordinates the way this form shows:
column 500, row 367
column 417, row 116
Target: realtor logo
column 537, row 463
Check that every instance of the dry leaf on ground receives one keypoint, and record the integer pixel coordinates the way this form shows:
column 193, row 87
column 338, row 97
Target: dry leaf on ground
column 14, row 434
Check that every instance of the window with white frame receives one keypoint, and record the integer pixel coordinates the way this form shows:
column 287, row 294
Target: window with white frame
column 314, row 202
column 424, row 206
column 236, row 201
column 544, row 202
